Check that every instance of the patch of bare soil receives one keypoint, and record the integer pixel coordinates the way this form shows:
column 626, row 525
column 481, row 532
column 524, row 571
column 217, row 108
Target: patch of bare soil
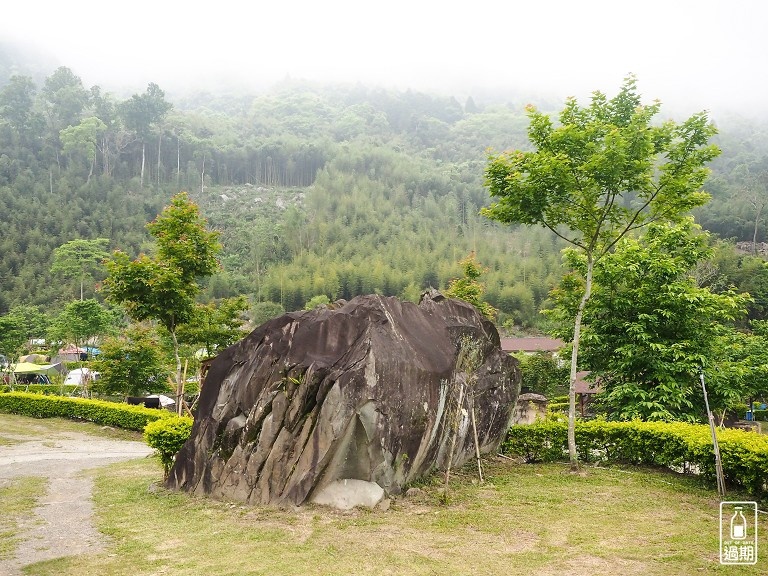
column 62, row 523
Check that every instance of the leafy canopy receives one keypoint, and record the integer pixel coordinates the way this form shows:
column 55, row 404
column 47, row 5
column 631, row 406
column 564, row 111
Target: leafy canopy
column 649, row 329
column 604, row 170
column 164, row 286
column 469, row 288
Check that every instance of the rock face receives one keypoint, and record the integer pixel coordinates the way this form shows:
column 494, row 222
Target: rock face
column 374, row 390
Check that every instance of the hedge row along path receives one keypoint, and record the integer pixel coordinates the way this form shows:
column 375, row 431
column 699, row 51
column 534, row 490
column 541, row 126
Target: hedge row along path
column 62, row 523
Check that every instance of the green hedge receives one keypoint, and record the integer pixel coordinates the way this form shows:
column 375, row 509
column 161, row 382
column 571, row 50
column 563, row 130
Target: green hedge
column 97, row 411
column 677, row 446
column 51, row 389
column 558, row 406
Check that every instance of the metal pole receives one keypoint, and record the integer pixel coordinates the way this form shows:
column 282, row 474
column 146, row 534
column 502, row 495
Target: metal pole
column 718, row 463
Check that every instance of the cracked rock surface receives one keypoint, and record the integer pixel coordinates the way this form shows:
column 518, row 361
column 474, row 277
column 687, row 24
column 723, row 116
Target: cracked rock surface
column 374, row 389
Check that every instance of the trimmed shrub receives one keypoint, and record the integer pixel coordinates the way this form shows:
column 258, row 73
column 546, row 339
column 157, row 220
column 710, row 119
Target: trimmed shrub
column 96, row 411
column 674, row 445
column 167, row 436
column 558, row 407
column 51, row 389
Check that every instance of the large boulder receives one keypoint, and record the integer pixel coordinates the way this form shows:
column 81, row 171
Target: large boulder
column 365, row 396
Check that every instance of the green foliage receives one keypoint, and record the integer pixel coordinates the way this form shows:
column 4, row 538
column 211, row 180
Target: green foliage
column 602, row 172
column 167, row 436
column 131, row 364
column 675, row 445
column 79, row 259
column 469, row 289
column 649, row 330
column 18, row 326
column 543, row 373
column 264, row 311
column 96, row 411
column 318, row 301
column 164, row 287
column 80, row 321
column 215, row 325
column 315, row 190
column 760, row 415
column 49, row 389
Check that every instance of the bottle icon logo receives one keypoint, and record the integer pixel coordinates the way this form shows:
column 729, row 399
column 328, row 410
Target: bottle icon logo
column 738, row 524
column 738, row 533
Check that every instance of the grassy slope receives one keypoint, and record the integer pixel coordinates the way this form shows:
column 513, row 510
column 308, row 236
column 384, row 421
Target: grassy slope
column 525, row 519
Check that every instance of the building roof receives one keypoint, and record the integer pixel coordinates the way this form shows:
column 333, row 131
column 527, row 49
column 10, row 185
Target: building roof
column 584, row 386
column 537, row 344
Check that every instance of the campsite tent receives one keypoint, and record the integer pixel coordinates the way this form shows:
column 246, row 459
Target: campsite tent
column 33, row 358
column 164, row 400
column 80, row 375
column 29, row 368
column 72, row 353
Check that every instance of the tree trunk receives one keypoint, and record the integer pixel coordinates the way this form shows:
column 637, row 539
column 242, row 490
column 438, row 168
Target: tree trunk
column 759, row 208
column 178, row 161
column 159, row 143
column 93, row 165
column 573, row 457
column 202, row 176
column 179, row 383
column 143, row 146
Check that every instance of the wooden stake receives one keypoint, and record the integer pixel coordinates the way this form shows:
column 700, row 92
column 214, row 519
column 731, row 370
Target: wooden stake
column 477, row 443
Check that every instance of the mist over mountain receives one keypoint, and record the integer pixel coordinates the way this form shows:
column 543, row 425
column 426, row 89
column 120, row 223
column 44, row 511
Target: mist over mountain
column 318, row 188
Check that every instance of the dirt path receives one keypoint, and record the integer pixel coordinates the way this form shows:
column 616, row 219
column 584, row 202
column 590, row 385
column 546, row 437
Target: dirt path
column 62, row 523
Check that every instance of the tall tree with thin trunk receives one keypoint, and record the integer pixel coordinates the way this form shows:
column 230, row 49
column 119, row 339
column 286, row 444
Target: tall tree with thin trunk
column 163, row 287
column 596, row 175
column 142, row 113
column 79, row 259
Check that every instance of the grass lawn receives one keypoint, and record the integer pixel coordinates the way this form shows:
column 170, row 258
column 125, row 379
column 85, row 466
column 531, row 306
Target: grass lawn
column 525, row 519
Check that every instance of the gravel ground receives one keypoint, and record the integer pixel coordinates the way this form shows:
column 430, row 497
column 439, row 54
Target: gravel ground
column 62, row 523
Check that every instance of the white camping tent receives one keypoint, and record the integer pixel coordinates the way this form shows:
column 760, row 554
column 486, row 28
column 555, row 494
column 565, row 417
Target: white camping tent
column 164, row 400
column 78, row 376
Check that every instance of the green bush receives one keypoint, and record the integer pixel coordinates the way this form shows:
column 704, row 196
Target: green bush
column 52, row 389
column 167, row 436
column 674, row 445
column 760, row 415
column 96, row 411
column 558, row 406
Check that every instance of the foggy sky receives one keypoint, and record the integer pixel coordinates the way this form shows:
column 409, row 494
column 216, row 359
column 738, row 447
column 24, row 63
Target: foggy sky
column 692, row 55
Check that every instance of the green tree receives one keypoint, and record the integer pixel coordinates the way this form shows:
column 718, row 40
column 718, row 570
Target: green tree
column 131, row 363
column 21, row 324
column 604, row 171
column 317, row 302
column 265, row 311
column 80, row 259
column 80, row 142
column 543, row 374
column 81, row 321
column 17, row 99
column 163, row 287
column 469, row 289
column 650, row 330
column 142, row 113
column 215, row 325
column 742, row 372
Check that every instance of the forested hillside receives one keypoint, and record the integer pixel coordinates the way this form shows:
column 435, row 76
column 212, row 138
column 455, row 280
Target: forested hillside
column 317, row 190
